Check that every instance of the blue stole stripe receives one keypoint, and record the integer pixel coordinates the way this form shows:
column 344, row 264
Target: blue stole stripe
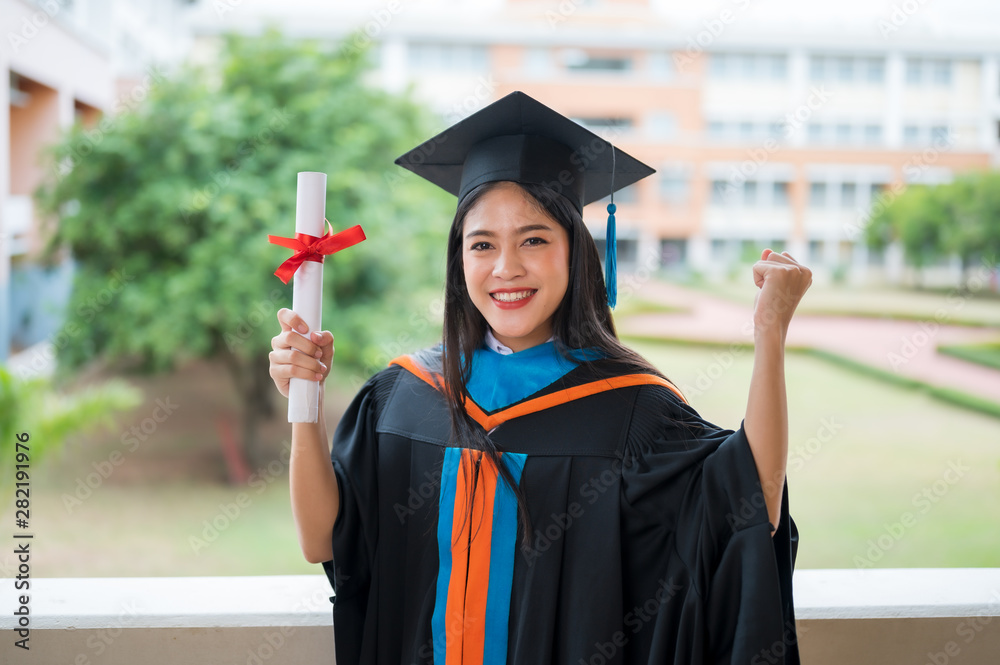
column 446, row 515
column 502, row 549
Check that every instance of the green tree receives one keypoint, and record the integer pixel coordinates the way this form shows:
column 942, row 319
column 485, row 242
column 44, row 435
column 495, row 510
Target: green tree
column 974, row 234
column 167, row 207
column 917, row 219
column 961, row 218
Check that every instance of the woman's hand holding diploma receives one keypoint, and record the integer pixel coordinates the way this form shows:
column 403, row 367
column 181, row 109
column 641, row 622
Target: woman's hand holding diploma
column 313, row 484
column 299, row 355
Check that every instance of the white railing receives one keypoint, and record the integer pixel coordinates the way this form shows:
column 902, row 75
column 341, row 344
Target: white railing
column 906, row 616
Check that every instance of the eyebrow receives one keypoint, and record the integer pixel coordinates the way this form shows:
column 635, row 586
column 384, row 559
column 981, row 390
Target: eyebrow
column 524, row 229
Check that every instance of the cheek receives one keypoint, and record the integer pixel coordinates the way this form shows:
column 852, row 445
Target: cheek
column 471, row 270
column 563, row 264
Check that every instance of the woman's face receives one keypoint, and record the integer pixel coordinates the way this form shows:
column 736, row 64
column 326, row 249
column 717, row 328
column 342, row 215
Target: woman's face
column 516, row 261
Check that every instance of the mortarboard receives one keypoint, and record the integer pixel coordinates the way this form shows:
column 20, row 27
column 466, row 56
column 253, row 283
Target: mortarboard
column 521, row 140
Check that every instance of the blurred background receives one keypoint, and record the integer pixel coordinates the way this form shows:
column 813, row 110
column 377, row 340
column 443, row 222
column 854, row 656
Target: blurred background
column 153, row 145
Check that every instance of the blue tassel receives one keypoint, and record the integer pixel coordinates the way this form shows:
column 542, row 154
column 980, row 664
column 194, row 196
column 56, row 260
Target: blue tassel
column 611, row 259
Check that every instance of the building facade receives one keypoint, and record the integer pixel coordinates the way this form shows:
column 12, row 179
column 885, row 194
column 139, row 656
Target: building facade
column 782, row 129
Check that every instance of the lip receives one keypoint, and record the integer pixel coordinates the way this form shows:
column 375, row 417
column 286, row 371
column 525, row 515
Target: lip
column 517, row 304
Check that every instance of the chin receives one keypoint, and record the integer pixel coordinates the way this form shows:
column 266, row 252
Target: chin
column 512, row 332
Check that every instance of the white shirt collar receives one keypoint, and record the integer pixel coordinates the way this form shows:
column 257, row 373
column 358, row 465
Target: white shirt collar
column 493, row 344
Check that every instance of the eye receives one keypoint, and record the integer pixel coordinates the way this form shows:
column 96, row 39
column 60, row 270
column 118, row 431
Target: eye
column 480, row 246
column 534, row 242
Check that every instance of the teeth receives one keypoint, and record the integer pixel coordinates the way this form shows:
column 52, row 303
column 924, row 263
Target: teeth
column 512, row 297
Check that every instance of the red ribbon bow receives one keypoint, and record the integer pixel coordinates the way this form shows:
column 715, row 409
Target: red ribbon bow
column 311, row 248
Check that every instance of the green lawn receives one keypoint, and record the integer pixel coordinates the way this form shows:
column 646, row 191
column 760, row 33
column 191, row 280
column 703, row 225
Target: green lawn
column 982, row 354
column 159, row 530
column 861, row 453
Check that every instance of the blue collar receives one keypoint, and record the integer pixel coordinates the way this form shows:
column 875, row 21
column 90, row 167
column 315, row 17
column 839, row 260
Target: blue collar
column 497, row 381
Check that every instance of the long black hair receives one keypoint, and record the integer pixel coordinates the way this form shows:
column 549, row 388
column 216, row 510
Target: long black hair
column 581, row 321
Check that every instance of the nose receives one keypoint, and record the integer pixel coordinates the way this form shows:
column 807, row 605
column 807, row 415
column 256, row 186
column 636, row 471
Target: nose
column 508, row 265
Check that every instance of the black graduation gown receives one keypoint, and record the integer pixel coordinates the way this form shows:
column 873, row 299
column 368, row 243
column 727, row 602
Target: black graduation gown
column 650, row 544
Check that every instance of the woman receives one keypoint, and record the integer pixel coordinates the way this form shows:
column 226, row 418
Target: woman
column 532, row 491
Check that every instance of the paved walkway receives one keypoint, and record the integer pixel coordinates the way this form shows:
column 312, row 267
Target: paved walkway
column 907, row 348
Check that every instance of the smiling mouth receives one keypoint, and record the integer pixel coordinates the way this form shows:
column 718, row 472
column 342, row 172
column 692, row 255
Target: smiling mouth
column 513, row 296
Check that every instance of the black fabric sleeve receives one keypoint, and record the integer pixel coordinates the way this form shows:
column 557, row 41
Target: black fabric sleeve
column 698, row 483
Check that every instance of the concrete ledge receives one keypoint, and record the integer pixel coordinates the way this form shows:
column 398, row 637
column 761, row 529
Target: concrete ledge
column 897, row 593
column 914, row 616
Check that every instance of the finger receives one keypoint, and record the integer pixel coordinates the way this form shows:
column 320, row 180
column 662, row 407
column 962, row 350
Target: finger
column 324, row 339
column 789, row 256
column 761, row 268
column 296, row 359
column 289, row 320
column 295, row 372
column 780, row 258
column 290, row 339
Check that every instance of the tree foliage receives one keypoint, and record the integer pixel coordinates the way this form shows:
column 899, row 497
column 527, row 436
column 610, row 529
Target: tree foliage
column 167, row 208
column 48, row 418
column 961, row 218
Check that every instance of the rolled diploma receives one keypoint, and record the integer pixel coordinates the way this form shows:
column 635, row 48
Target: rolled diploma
column 307, row 289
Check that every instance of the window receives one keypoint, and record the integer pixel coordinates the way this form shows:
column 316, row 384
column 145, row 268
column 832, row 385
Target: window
column 716, row 129
column 722, row 192
column 747, row 131
column 659, row 65
column 661, row 124
column 673, row 252
column 538, row 61
column 816, row 251
column 579, row 61
column 847, row 69
column 874, row 70
column 450, row 57
column 627, row 195
column 845, row 133
column 779, row 197
column 720, row 248
column 607, row 125
column 817, row 194
column 718, row 65
column 865, row 194
column 926, row 71
column 749, row 66
column 873, row 134
column 939, row 134
column 940, row 72
column 922, row 135
column 778, row 67
column 817, row 68
column 848, row 194
column 674, row 187
column 750, row 193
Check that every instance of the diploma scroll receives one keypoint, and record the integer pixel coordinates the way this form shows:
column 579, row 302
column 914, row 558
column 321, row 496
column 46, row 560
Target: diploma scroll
column 307, row 289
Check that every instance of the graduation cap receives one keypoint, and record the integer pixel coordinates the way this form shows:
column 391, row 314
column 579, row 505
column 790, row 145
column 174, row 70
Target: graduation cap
column 519, row 139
